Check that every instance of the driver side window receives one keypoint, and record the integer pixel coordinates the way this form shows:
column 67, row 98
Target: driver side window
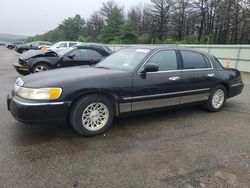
column 166, row 60
column 62, row 45
column 85, row 54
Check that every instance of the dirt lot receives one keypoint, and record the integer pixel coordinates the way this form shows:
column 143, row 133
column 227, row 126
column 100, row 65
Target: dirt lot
column 178, row 148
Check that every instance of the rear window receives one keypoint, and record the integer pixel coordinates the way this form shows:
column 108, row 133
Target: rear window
column 194, row 60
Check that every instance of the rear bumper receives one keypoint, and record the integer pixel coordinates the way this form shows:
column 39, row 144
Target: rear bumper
column 235, row 89
column 21, row 69
column 36, row 112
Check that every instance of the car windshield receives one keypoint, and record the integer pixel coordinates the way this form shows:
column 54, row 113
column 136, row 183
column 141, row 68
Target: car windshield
column 126, row 59
column 64, row 51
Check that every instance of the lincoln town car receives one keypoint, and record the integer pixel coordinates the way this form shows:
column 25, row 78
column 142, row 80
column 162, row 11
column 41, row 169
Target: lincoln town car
column 137, row 79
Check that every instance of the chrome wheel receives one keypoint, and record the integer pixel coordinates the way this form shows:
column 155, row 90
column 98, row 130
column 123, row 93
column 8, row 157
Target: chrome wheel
column 218, row 98
column 95, row 116
column 40, row 68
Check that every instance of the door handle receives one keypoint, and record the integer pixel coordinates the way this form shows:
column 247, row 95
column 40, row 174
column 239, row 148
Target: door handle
column 211, row 75
column 174, row 78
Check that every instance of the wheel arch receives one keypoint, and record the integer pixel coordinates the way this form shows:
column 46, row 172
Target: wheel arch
column 41, row 62
column 106, row 94
column 226, row 85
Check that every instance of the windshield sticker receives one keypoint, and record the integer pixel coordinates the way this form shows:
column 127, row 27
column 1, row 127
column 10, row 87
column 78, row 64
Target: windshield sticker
column 142, row 51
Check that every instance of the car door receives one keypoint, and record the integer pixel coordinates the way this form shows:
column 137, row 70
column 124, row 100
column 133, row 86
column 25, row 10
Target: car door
column 198, row 76
column 78, row 57
column 161, row 88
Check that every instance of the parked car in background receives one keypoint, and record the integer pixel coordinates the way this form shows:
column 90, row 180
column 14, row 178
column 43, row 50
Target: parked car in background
column 34, row 61
column 2, row 43
column 13, row 45
column 98, row 45
column 131, row 80
column 36, row 45
column 63, row 45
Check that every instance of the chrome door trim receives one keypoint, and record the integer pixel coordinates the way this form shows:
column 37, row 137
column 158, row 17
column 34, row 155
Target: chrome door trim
column 194, row 98
column 125, row 107
column 165, row 94
column 157, row 103
column 239, row 84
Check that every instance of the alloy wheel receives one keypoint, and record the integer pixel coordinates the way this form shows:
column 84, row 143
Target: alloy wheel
column 218, row 98
column 40, row 68
column 95, row 116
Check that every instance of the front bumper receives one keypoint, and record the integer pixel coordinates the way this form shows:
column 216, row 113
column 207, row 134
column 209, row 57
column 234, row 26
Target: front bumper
column 27, row 111
column 21, row 69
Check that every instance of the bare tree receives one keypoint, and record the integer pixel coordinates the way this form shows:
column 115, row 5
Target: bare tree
column 181, row 8
column 107, row 7
column 160, row 13
column 94, row 25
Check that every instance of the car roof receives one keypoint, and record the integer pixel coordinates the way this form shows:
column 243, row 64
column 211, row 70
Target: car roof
column 70, row 41
column 102, row 47
column 168, row 47
column 99, row 49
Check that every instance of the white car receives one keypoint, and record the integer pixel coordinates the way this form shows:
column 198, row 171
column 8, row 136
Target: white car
column 63, row 45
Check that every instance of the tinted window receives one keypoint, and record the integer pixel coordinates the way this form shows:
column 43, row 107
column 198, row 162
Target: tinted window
column 63, row 45
column 194, row 60
column 95, row 54
column 86, row 54
column 72, row 44
column 166, row 60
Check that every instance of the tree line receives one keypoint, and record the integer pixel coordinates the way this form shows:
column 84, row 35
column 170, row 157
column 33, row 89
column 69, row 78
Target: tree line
column 160, row 21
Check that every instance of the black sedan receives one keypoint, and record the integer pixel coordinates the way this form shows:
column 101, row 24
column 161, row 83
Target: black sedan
column 32, row 46
column 131, row 80
column 37, row 61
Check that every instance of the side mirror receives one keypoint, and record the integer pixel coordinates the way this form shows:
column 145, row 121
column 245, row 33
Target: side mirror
column 71, row 56
column 150, row 68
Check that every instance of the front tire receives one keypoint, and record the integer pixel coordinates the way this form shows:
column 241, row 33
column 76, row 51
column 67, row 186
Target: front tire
column 40, row 67
column 92, row 115
column 216, row 99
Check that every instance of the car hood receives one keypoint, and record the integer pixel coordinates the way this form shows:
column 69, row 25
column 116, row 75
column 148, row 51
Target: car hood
column 36, row 53
column 73, row 75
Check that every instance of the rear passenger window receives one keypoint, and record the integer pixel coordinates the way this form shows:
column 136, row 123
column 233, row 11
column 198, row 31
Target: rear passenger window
column 72, row 44
column 194, row 60
column 63, row 45
column 166, row 60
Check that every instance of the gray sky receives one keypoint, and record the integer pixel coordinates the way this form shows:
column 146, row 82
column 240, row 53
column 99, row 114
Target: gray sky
column 31, row 17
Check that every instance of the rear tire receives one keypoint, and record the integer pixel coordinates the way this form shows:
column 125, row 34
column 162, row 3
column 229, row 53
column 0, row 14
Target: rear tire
column 216, row 99
column 92, row 115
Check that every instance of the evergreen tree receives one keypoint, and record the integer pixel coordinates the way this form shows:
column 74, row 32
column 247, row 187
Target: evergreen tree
column 111, row 29
column 73, row 27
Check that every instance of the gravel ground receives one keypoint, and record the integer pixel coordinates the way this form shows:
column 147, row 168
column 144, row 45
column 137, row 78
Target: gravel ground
column 179, row 148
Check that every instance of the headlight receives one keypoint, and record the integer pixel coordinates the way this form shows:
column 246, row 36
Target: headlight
column 39, row 94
